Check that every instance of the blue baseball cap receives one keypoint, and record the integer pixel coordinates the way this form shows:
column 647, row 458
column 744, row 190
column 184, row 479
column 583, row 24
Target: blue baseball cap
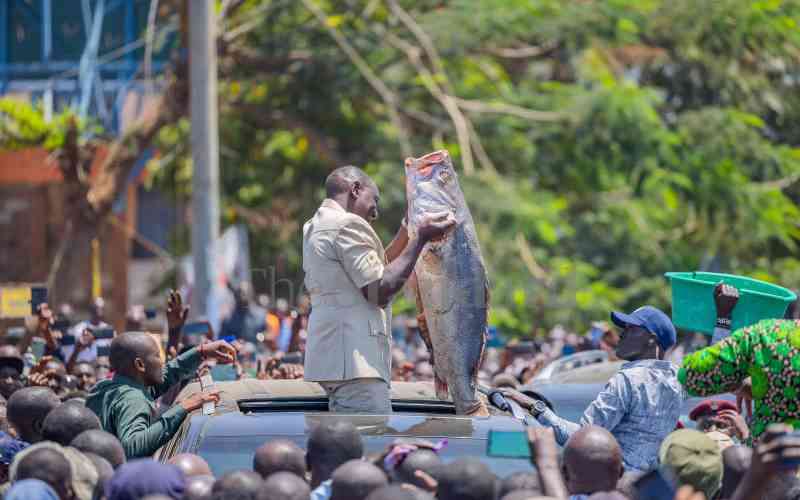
column 651, row 319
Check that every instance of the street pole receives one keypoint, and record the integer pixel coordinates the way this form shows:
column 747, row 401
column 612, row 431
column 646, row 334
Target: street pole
column 205, row 156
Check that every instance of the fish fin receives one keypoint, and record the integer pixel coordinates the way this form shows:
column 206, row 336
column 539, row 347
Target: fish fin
column 442, row 390
column 422, row 322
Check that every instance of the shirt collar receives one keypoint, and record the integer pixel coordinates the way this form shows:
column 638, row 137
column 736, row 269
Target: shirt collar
column 332, row 204
column 122, row 379
column 658, row 364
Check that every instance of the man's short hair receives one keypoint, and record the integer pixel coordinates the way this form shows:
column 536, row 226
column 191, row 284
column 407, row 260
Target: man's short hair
column 101, row 443
column 127, row 347
column 355, row 480
column 340, row 180
column 397, row 492
column 47, row 465
column 279, row 455
column 30, row 405
column 285, row 486
column 238, row 485
column 425, row 460
column 466, row 479
column 333, row 443
column 67, row 421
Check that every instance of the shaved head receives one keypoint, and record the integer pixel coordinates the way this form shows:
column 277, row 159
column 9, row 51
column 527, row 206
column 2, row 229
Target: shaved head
column 198, row 488
column 592, row 461
column 279, row 455
column 27, row 409
column 239, row 485
column 191, row 464
column 285, row 486
column 127, row 347
column 49, row 466
column 67, row 421
column 342, row 179
column 330, row 445
column 100, row 443
column 355, row 480
column 425, row 460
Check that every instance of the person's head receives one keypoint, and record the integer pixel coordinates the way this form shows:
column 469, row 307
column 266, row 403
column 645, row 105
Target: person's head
column 101, row 443
column 735, row 463
column 785, row 486
column 330, row 445
column 11, row 366
column 50, row 466
column 84, row 372
column 285, row 486
column 356, row 479
column 423, row 460
column 707, row 416
column 592, row 461
column 27, row 409
column 647, row 333
column 694, row 459
column 198, row 488
column 191, row 464
column 68, row 420
column 353, row 189
column 136, row 355
column 238, row 485
column 466, row 479
column 523, row 481
column 97, row 311
column 278, row 456
column 139, row 478
column 524, row 495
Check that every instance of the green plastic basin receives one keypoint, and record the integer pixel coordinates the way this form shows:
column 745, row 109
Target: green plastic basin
column 693, row 300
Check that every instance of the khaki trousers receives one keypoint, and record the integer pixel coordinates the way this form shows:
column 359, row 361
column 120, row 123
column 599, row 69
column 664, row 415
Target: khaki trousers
column 361, row 395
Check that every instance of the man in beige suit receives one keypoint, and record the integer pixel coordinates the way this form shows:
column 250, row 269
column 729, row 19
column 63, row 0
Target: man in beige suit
column 351, row 281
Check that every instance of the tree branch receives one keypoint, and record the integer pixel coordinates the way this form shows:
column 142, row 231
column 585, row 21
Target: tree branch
column 388, row 97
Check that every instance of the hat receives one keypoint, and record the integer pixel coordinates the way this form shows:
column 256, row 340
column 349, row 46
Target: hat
column 652, row 320
column 30, row 489
column 694, row 459
column 711, row 406
column 139, row 478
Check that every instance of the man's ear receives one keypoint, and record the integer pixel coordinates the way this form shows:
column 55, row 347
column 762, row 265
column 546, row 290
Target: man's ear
column 38, row 425
column 138, row 364
column 355, row 189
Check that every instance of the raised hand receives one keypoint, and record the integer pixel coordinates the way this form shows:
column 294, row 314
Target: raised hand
column 220, row 350
column 176, row 312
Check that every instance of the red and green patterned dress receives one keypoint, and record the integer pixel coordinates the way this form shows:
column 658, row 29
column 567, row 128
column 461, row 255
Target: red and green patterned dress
column 769, row 353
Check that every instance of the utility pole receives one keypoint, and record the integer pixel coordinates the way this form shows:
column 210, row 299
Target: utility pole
column 205, row 156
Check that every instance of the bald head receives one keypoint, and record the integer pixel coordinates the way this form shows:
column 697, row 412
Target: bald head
column 67, row 421
column 735, row 462
column 27, row 409
column 330, row 445
column 285, row 486
column 425, row 460
column 342, row 179
column 198, row 488
column 102, row 443
column 592, row 461
column 466, row 479
column 191, row 464
column 279, row 455
column 355, row 480
column 127, row 347
column 239, row 485
column 397, row 492
column 49, row 466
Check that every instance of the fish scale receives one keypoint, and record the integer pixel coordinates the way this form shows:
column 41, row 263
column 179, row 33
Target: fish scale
column 450, row 281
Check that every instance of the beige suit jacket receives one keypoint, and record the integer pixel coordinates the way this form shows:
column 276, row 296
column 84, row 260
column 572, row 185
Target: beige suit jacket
column 348, row 337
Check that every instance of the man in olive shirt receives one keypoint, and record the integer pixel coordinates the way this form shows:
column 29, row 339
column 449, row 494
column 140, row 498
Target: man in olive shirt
column 126, row 403
column 351, row 280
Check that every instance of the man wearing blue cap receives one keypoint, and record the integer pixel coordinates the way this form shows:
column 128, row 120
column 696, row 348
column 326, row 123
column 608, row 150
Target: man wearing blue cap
column 642, row 403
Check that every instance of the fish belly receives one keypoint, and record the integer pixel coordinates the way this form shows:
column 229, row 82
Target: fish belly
column 452, row 284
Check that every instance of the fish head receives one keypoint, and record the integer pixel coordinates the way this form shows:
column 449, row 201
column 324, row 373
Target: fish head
column 432, row 187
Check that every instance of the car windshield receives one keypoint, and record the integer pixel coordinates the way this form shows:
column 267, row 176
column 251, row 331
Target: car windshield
column 229, row 453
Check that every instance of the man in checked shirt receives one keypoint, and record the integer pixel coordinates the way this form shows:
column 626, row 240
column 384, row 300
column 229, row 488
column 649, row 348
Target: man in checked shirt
column 641, row 404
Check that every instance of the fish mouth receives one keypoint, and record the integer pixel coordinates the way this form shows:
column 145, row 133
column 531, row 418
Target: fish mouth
column 424, row 164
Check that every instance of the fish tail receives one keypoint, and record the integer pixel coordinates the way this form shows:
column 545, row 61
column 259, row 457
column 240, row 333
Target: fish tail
column 442, row 390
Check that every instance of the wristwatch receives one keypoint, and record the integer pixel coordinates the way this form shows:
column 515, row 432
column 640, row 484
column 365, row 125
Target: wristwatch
column 538, row 407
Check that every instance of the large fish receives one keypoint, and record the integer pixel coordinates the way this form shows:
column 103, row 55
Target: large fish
column 449, row 282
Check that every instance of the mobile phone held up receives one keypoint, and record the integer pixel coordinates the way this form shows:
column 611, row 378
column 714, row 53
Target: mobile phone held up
column 508, row 444
column 102, row 333
column 38, row 297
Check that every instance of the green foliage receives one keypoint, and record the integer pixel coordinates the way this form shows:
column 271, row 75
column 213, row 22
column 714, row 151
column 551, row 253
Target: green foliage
column 674, row 147
column 23, row 125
